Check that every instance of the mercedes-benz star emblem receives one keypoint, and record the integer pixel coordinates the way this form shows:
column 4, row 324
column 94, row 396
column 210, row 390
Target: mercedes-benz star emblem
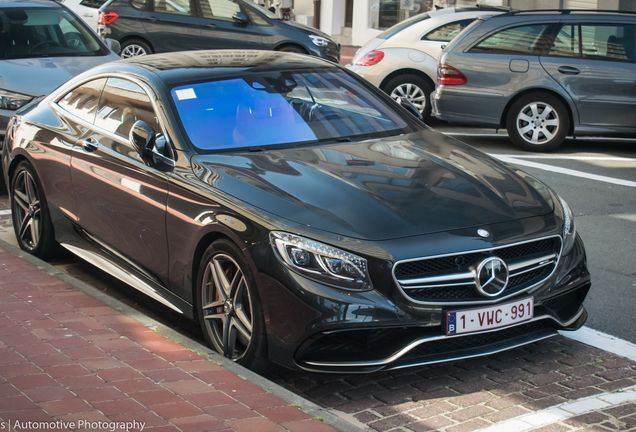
column 492, row 276
column 483, row 233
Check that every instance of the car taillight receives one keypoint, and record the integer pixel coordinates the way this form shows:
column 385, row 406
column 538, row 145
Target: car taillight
column 371, row 58
column 448, row 75
column 106, row 18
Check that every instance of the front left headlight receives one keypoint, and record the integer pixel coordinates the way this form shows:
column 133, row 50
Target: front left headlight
column 13, row 101
column 319, row 40
column 321, row 262
column 569, row 229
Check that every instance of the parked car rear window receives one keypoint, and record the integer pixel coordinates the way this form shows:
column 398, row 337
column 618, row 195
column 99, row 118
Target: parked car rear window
column 517, row 40
column 281, row 108
column 391, row 31
column 33, row 32
column 448, row 31
column 609, row 41
column 177, row 7
column 220, row 9
column 95, row 4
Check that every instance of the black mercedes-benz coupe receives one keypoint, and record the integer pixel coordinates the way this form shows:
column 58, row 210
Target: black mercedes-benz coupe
column 300, row 214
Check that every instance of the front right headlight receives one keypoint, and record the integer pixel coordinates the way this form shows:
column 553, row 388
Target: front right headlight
column 569, row 229
column 321, row 262
column 13, row 101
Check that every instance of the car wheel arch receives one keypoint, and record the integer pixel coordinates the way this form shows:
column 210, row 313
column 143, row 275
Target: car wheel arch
column 288, row 44
column 17, row 159
column 566, row 103
column 406, row 71
column 136, row 37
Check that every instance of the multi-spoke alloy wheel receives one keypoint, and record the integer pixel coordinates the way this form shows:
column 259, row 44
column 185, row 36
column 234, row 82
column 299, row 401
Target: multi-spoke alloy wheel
column 31, row 221
column 134, row 48
column 412, row 88
column 412, row 93
column 229, row 308
column 537, row 122
column 26, row 208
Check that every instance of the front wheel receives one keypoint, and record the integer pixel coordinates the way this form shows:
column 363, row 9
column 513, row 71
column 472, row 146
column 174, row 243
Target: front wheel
column 229, row 307
column 413, row 88
column 537, row 122
column 31, row 220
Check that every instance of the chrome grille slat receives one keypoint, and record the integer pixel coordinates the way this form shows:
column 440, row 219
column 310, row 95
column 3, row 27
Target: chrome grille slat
column 529, row 263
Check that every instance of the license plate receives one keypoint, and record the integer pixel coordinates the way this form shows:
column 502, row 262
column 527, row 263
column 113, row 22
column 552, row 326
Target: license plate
column 491, row 317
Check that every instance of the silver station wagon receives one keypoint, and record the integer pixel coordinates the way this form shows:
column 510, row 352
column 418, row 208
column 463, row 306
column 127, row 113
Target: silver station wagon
column 542, row 75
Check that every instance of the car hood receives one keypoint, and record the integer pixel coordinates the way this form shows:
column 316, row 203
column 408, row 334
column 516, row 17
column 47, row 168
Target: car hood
column 379, row 189
column 306, row 29
column 26, row 75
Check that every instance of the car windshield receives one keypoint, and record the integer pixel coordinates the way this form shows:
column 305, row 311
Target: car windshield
column 392, row 31
column 45, row 32
column 288, row 107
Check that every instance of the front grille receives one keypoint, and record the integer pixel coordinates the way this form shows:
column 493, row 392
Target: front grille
column 414, row 269
column 478, row 339
column 414, row 276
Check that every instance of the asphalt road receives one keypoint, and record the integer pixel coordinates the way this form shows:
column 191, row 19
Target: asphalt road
column 596, row 177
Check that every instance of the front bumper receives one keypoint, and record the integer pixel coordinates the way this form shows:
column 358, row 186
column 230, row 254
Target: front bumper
column 319, row 328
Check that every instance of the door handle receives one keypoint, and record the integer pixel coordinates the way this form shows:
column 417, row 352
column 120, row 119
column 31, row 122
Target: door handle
column 90, row 144
column 151, row 19
column 568, row 70
column 87, row 15
column 212, row 26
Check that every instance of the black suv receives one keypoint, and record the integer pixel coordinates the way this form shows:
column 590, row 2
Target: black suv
column 155, row 26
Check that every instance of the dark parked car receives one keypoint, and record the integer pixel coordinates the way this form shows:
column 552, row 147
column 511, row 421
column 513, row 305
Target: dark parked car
column 295, row 210
column 41, row 38
column 543, row 75
column 158, row 26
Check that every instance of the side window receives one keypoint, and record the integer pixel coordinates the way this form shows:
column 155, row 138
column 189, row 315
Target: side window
column 527, row 39
column 219, row 9
column 255, row 17
column 566, row 42
column 82, row 101
column 609, row 42
column 95, row 4
column 177, row 7
column 448, row 31
column 122, row 104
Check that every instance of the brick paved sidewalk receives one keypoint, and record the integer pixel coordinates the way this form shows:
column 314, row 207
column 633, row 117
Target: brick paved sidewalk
column 67, row 357
column 478, row 393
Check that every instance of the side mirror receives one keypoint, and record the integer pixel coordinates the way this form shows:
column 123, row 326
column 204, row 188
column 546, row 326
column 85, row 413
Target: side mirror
column 406, row 104
column 239, row 17
column 113, row 45
column 143, row 139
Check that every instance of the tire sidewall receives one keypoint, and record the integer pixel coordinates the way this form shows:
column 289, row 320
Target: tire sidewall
column 255, row 357
column 556, row 104
column 415, row 80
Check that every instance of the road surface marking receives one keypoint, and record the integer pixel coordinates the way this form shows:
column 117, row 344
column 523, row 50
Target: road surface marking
column 603, row 341
column 567, row 171
column 5, row 212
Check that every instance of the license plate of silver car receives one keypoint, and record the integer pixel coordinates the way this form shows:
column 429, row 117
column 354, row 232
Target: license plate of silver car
column 490, row 317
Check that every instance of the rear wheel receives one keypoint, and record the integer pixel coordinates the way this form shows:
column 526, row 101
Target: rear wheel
column 538, row 122
column 412, row 88
column 229, row 306
column 30, row 213
column 135, row 48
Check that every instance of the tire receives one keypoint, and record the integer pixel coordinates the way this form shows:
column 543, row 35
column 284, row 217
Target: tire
column 135, row 48
column 30, row 213
column 415, row 89
column 229, row 307
column 292, row 49
column 538, row 122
